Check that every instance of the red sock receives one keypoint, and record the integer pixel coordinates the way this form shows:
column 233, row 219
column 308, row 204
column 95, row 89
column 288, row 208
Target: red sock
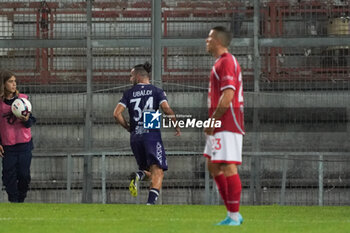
column 234, row 188
column 222, row 186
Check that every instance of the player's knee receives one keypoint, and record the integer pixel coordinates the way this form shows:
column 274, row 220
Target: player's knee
column 214, row 169
column 230, row 170
column 215, row 172
column 157, row 171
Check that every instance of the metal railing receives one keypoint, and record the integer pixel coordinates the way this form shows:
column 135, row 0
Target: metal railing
column 278, row 179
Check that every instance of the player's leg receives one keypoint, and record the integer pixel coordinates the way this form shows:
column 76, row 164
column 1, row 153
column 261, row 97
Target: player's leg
column 233, row 195
column 219, row 178
column 215, row 168
column 217, row 173
column 140, row 175
column 234, row 151
column 9, row 175
column 234, row 189
column 24, row 162
column 228, row 152
column 157, row 175
column 138, row 151
column 157, row 162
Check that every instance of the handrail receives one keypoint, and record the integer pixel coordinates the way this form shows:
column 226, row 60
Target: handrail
column 245, row 153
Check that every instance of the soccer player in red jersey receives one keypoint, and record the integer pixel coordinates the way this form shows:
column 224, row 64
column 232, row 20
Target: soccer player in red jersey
column 223, row 147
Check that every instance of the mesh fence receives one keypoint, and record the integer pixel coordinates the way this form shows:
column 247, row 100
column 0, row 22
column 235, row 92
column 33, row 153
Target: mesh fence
column 305, row 69
column 302, row 103
column 121, row 19
column 44, row 19
column 192, row 18
column 111, row 78
column 306, row 18
column 286, row 179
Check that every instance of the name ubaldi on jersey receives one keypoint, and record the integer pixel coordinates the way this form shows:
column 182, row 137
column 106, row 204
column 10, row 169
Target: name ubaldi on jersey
column 140, row 98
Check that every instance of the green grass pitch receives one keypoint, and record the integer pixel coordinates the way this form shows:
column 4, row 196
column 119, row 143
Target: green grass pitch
column 169, row 218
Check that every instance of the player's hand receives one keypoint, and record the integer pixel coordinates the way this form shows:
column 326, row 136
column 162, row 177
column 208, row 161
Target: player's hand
column 24, row 118
column 178, row 132
column 209, row 131
column 2, row 152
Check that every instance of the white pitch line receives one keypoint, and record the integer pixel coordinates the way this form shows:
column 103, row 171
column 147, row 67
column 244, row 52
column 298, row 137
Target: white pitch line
column 98, row 219
column 158, row 219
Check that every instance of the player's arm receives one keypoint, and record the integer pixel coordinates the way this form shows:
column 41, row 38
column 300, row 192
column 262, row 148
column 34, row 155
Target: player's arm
column 118, row 116
column 24, row 118
column 29, row 120
column 224, row 103
column 169, row 112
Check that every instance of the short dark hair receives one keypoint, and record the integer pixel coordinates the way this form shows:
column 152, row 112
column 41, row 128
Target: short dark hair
column 143, row 69
column 224, row 35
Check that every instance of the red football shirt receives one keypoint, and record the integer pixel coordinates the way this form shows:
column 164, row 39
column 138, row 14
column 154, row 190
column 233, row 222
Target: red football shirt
column 226, row 73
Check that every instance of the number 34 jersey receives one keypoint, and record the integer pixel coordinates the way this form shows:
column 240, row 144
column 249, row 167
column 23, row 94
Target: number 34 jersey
column 140, row 98
column 226, row 73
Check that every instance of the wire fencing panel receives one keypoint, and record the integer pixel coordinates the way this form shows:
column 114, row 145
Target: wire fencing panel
column 305, row 68
column 54, row 78
column 336, row 181
column 190, row 19
column 303, row 103
column 287, row 179
column 112, row 68
column 183, row 182
column 302, row 185
column 121, row 19
column 185, row 80
column 304, row 89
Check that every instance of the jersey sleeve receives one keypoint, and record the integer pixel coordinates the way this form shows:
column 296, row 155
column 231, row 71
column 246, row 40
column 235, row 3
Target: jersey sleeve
column 124, row 100
column 30, row 122
column 227, row 74
column 161, row 96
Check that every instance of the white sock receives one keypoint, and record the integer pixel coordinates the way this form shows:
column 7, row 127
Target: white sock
column 233, row 215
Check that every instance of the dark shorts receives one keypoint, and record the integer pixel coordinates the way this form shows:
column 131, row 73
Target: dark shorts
column 148, row 150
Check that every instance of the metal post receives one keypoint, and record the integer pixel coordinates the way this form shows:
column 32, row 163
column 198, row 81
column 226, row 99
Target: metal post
column 157, row 51
column 257, row 62
column 103, row 177
column 160, row 197
column 69, row 179
column 207, row 184
column 138, row 201
column 156, row 43
column 255, row 187
column 320, row 181
column 215, row 199
column 87, row 185
column 284, row 180
column 1, row 193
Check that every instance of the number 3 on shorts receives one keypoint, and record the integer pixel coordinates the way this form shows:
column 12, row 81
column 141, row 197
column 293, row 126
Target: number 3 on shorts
column 217, row 144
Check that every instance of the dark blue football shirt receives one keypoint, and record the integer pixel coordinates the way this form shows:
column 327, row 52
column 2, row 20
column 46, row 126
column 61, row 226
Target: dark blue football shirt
column 140, row 98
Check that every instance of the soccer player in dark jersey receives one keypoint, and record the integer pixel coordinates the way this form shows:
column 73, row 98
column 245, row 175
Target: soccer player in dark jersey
column 146, row 144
